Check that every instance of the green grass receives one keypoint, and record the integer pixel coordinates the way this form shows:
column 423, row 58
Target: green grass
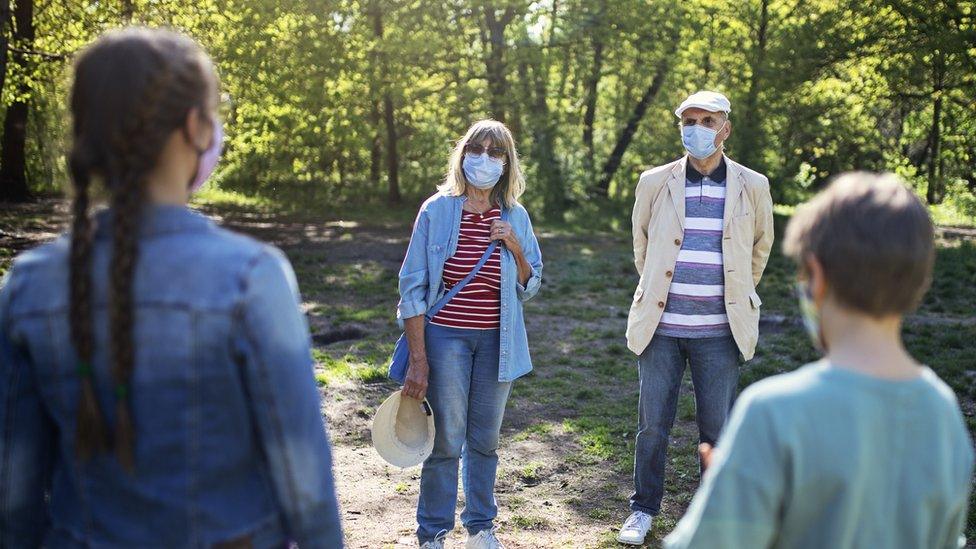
column 955, row 212
column 214, row 197
column 6, row 258
column 528, row 522
column 953, row 289
column 330, row 370
column 530, row 473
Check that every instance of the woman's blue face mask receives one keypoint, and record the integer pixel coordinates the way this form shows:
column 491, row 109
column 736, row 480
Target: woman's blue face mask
column 481, row 170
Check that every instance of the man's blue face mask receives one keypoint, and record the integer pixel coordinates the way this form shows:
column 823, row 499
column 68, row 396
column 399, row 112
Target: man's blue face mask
column 699, row 141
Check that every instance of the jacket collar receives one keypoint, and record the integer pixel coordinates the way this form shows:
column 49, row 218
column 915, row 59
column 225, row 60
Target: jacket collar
column 157, row 219
column 734, row 183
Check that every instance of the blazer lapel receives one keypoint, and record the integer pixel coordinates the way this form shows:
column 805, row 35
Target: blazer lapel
column 676, row 186
column 733, row 188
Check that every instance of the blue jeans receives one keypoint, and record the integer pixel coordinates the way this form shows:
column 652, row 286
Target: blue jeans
column 468, row 403
column 715, row 375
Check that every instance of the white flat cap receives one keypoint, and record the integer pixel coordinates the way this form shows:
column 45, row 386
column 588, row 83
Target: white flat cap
column 707, row 100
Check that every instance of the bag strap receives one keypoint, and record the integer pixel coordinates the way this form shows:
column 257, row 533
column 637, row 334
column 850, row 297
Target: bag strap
column 436, row 308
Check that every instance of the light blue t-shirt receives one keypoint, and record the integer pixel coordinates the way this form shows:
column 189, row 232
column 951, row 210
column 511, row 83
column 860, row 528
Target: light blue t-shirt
column 828, row 457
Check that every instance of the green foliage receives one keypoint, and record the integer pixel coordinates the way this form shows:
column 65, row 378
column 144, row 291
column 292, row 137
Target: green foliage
column 351, row 101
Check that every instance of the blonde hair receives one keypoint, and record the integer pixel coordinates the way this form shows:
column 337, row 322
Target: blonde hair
column 874, row 238
column 510, row 185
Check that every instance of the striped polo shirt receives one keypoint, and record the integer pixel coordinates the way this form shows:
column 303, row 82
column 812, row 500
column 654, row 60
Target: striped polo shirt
column 478, row 305
column 696, row 297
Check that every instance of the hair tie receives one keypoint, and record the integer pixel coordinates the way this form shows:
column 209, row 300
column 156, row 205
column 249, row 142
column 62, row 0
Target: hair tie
column 84, row 369
column 121, row 390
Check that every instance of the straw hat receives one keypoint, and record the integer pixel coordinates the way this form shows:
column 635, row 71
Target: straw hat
column 403, row 430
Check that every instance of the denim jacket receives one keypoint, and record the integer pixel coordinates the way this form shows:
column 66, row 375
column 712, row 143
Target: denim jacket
column 435, row 240
column 229, row 440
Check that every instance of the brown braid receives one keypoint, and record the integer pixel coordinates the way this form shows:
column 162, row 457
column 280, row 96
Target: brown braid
column 138, row 85
column 91, row 436
column 128, row 201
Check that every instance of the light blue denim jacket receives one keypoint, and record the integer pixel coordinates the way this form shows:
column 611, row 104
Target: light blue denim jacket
column 434, row 241
column 229, row 438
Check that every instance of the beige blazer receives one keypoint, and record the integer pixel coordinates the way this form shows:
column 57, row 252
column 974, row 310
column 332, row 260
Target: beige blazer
column 659, row 216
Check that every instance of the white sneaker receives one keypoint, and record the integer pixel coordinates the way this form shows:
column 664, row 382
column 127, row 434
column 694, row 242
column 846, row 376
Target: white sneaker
column 484, row 539
column 635, row 528
column 437, row 542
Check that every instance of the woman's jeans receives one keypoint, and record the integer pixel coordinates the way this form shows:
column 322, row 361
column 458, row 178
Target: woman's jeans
column 468, row 403
column 714, row 365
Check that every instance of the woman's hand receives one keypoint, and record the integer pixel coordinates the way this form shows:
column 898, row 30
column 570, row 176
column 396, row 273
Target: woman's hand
column 415, row 385
column 502, row 230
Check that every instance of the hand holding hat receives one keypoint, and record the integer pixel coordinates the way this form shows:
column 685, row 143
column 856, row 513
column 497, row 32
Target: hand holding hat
column 403, row 430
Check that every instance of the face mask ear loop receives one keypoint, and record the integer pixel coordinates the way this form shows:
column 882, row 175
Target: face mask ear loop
column 196, row 167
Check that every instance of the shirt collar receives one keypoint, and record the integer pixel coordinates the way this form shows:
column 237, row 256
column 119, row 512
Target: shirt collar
column 157, row 219
column 717, row 175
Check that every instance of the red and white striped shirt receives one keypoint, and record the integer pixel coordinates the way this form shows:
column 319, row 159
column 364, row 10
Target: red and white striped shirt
column 478, row 305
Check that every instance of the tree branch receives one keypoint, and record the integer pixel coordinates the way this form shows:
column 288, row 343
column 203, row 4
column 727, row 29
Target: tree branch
column 41, row 54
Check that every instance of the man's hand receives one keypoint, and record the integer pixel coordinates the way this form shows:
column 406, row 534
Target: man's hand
column 705, row 454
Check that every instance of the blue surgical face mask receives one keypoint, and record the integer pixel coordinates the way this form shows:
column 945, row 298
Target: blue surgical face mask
column 699, row 141
column 481, row 170
column 811, row 316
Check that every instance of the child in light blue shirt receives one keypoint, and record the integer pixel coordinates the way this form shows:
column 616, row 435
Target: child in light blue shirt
column 865, row 448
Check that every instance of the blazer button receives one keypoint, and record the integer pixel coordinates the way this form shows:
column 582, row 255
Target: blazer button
column 677, row 241
column 660, row 304
column 668, row 274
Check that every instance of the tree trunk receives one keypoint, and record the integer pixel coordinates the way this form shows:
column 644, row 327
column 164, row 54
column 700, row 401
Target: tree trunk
column 544, row 146
column 4, row 41
column 495, row 61
column 935, row 192
column 13, row 159
column 707, row 58
column 127, row 11
column 392, row 156
column 627, row 133
column 376, row 146
column 589, row 113
column 751, row 141
column 389, row 113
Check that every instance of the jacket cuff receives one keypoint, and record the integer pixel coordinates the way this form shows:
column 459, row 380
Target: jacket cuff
column 531, row 287
column 410, row 309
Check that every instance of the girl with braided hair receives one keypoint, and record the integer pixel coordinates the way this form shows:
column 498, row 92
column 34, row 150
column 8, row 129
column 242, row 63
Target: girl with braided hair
column 156, row 384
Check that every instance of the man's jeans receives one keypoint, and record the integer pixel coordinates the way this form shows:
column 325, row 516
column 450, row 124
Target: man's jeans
column 468, row 403
column 715, row 374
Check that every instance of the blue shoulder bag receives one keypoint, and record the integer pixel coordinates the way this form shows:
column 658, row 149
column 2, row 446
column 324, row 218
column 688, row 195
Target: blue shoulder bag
column 401, row 351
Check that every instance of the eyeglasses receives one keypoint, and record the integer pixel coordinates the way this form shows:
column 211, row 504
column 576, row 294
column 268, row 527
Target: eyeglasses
column 497, row 153
column 710, row 122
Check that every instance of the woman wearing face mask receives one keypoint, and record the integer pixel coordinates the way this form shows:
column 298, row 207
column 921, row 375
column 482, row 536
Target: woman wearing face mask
column 464, row 358
column 156, row 383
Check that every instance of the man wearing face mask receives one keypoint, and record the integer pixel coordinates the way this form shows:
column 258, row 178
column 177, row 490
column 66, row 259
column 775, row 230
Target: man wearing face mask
column 703, row 229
